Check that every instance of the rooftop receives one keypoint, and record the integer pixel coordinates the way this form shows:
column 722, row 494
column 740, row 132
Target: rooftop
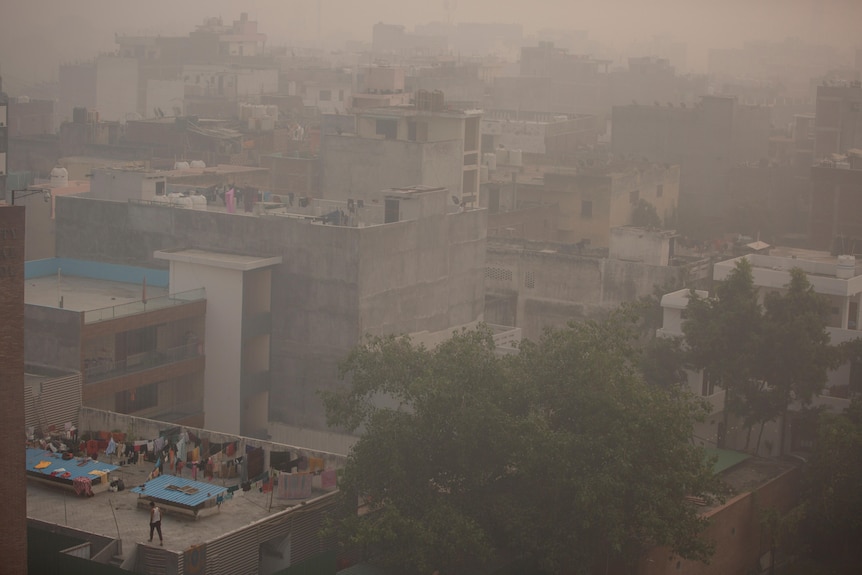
column 85, row 294
column 117, row 514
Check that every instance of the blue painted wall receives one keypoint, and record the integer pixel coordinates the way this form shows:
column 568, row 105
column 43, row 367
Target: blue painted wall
column 95, row 270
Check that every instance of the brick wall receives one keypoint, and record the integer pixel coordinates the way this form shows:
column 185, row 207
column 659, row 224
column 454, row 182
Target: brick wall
column 13, row 527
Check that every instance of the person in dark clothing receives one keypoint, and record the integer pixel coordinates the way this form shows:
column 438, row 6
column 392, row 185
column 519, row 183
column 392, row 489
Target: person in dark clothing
column 156, row 522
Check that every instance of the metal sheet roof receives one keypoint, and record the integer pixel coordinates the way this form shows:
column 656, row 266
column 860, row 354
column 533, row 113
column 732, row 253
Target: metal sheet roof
column 178, row 490
column 73, row 466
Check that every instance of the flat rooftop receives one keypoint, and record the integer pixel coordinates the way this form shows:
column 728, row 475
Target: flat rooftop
column 117, row 515
column 84, row 294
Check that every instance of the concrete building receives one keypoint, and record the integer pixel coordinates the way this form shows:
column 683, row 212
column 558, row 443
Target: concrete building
column 705, row 140
column 535, row 285
column 593, row 199
column 381, row 86
column 402, row 146
column 839, row 279
column 838, row 123
column 30, row 117
column 139, row 350
column 835, row 216
column 108, row 85
column 558, row 138
column 262, row 528
column 239, row 332
column 412, row 263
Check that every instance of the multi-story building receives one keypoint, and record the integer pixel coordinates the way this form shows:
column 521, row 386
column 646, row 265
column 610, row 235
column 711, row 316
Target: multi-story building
column 835, row 216
column 425, row 144
column 705, row 140
column 837, row 278
column 139, row 349
column 592, row 199
column 838, row 123
column 411, row 263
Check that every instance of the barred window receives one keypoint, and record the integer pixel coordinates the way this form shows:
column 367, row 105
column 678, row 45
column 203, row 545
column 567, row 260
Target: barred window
column 530, row 280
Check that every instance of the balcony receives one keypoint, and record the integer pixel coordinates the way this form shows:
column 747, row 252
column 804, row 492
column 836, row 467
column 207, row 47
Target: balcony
column 101, row 369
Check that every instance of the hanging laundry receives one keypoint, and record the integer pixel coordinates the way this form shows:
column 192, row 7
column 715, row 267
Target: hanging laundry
column 328, row 479
column 112, row 447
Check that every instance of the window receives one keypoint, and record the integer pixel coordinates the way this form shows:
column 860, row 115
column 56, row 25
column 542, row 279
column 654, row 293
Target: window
column 659, row 190
column 387, row 129
column 530, row 280
column 634, row 196
column 586, row 209
column 411, row 130
column 325, row 95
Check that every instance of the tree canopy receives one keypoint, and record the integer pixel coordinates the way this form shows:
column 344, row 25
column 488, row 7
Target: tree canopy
column 560, row 455
column 765, row 356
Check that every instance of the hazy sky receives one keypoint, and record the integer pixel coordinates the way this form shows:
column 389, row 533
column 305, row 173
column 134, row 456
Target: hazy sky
column 36, row 35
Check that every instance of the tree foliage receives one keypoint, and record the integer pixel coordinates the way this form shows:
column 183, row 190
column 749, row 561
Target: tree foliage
column 560, row 455
column 833, row 500
column 644, row 215
column 764, row 356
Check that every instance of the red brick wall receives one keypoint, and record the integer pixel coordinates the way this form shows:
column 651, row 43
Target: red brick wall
column 735, row 531
column 13, row 527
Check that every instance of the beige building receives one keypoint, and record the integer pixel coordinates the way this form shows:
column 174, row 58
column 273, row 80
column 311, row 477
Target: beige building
column 392, row 147
column 593, row 199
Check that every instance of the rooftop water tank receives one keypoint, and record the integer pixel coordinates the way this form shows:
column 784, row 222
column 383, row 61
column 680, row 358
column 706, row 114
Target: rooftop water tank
column 846, row 267
column 198, row 164
column 59, row 177
column 199, row 202
column 181, row 165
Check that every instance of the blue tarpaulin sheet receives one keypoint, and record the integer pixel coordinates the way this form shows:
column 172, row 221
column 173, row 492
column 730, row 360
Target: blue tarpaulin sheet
column 71, row 466
column 178, row 490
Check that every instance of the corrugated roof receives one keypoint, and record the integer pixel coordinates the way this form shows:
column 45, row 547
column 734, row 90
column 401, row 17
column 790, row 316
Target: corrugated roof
column 178, row 490
column 72, row 466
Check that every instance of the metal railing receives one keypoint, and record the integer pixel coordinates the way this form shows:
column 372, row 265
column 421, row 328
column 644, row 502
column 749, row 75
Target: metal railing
column 143, row 306
column 100, row 369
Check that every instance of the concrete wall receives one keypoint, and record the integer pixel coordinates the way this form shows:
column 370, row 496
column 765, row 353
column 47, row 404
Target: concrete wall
column 334, row 284
column 52, row 336
column 116, row 87
column 549, row 288
column 355, row 167
column 224, row 333
column 163, row 94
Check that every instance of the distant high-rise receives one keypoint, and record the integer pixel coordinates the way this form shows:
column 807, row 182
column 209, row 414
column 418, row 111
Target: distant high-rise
column 838, row 122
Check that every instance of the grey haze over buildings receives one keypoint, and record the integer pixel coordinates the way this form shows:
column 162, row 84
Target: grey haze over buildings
column 35, row 37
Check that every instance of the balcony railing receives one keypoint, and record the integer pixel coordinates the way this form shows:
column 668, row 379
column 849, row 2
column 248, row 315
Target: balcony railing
column 131, row 308
column 99, row 369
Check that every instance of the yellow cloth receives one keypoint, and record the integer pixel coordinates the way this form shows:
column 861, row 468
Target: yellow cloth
column 42, row 465
column 196, row 454
column 315, row 463
column 98, row 472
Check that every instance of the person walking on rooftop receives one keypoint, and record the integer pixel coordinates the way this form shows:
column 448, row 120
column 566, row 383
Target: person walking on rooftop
column 156, row 522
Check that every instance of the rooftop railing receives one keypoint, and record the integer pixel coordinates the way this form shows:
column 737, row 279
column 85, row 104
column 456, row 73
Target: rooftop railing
column 143, row 306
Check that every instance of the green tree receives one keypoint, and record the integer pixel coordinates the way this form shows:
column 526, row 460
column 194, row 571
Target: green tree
column 723, row 334
column 644, row 215
column 795, row 351
column 832, row 498
column 560, row 455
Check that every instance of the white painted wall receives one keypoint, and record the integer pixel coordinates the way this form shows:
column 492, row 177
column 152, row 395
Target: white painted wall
column 223, row 339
